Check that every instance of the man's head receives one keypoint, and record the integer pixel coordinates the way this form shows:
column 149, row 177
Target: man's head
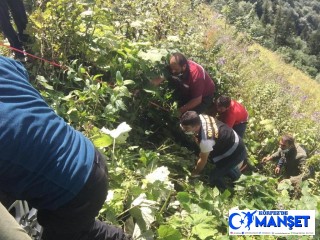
column 178, row 64
column 286, row 142
column 223, row 103
column 190, row 122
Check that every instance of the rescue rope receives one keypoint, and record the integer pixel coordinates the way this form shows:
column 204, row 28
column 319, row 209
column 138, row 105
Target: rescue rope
column 33, row 56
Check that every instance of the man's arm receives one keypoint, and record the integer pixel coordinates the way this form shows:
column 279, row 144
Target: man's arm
column 157, row 81
column 164, row 75
column 272, row 156
column 196, row 93
column 191, row 104
column 202, row 161
column 280, row 164
column 229, row 119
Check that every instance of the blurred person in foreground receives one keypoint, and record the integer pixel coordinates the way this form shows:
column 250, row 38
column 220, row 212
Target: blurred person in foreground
column 49, row 164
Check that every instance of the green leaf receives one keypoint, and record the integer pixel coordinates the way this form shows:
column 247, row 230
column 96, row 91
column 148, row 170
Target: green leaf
column 72, row 110
column 128, row 82
column 268, row 124
column 102, row 141
column 143, row 211
column 128, row 65
column 77, row 79
column 153, row 55
column 199, row 189
column 199, row 218
column 82, row 70
column 204, row 230
column 97, row 76
column 225, row 195
column 47, row 86
column 215, row 192
column 120, row 104
column 183, row 197
column 168, row 233
column 119, row 78
column 123, row 90
column 44, row 82
column 149, row 91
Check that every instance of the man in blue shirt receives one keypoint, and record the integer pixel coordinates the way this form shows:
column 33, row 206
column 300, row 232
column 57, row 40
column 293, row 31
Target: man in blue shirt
column 48, row 163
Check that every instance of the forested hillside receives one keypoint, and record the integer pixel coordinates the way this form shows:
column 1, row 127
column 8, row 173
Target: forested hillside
column 289, row 27
column 109, row 50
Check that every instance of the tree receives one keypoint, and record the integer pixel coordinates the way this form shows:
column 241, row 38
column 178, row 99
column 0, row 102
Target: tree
column 284, row 27
column 231, row 11
column 266, row 17
column 314, row 43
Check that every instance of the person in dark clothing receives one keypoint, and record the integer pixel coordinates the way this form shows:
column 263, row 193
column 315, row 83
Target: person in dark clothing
column 290, row 156
column 235, row 116
column 18, row 12
column 219, row 145
column 49, row 164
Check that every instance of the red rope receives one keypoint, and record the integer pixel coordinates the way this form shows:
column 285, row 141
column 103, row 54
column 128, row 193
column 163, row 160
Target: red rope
column 63, row 67
column 33, row 56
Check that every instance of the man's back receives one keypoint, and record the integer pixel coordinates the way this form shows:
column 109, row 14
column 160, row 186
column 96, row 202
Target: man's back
column 295, row 160
column 43, row 159
column 234, row 115
column 199, row 82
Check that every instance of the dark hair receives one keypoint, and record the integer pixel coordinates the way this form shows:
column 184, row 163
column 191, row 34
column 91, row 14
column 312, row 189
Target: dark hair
column 190, row 118
column 223, row 101
column 288, row 139
column 180, row 58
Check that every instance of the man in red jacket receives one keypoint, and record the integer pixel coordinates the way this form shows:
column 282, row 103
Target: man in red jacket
column 233, row 114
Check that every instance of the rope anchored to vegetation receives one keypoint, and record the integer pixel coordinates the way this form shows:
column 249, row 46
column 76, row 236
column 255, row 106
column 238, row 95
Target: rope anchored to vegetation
column 33, row 56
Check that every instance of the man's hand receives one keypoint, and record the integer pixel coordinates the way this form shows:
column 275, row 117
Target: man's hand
column 277, row 170
column 180, row 112
column 266, row 159
column 157, row 81
column 194, row 174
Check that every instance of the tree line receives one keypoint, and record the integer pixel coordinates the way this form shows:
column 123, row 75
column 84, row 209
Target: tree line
column 291, row 28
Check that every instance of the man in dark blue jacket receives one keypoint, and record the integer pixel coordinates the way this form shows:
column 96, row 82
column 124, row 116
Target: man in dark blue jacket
column 48, row 163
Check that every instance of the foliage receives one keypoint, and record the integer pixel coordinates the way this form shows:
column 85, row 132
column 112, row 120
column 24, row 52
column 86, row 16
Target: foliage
column 279, row 25
column 110, row 50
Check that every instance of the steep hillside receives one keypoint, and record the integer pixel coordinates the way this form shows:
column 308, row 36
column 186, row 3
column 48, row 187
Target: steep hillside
column 110, row 50
column 289, row 27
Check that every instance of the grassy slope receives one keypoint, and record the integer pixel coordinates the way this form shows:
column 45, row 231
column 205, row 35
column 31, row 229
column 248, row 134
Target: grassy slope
column 269, row 88
column 290, row 73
